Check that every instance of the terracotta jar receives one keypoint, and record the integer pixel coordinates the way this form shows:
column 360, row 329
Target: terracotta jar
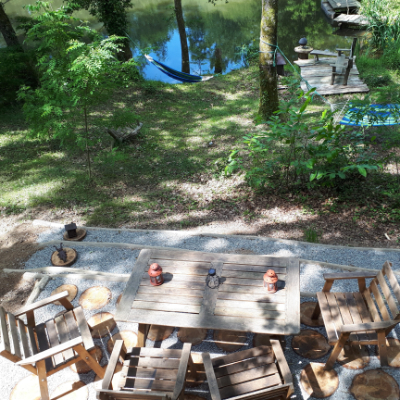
column 156, row 276
column 271, row 281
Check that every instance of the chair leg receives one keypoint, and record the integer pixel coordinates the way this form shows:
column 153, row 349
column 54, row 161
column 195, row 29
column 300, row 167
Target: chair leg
column 382, row 348
column 333, row 75
column 336, row 350
column 90, row 360
column 317, row 312
column 42, row 375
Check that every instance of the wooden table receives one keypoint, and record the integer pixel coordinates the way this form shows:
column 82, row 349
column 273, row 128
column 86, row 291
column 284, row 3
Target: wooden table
column 241, row 303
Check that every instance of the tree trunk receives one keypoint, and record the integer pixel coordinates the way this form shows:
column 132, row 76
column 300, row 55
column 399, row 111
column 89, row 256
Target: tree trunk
column 126, row 53
column 218, row 61
column 182, row 35
column 268, row 77
column 7, row 29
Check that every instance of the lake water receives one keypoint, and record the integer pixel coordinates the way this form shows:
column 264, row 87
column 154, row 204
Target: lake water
column 226, row 25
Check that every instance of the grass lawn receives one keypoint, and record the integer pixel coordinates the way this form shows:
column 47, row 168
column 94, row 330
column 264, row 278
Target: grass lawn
column 172, row 175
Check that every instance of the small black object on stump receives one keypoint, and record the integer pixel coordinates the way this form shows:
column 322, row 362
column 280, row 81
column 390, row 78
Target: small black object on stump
column 63, row 257
column 74, row 233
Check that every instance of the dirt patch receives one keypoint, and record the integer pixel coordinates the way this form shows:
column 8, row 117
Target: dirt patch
column 16, row 247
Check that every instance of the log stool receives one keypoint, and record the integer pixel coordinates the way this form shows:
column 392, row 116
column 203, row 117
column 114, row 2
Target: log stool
column 375, row 384
column 306, row 311
column 318, row 382
column 310, row 344
column 95, row 298
column 230, row 340
column 102, row 324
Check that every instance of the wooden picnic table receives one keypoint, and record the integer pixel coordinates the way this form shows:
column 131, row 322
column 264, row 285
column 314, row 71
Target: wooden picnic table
column 240, row 303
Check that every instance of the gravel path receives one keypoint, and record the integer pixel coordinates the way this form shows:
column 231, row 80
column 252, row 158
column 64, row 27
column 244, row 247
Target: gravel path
column 121, row 261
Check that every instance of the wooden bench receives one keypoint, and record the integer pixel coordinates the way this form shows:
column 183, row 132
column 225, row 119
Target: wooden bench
column 147, row 373
column 364, row 317
column 49, row 347
column 258, row 373
column 318, row 53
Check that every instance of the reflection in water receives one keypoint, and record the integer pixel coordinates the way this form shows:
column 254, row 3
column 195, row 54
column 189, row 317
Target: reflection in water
column 226, row 26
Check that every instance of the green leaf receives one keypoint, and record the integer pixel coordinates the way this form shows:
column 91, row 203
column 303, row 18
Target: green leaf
column 362, row 170
column 313, row 176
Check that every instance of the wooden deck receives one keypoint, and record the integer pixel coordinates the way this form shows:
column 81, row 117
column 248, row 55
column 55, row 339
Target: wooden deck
column 339, row 15
column 318, row 74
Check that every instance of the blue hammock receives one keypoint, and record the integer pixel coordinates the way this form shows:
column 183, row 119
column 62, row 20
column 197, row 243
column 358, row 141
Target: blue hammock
column 373, row 115
column 180, row 76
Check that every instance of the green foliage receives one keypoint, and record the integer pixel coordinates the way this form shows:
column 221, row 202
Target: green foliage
column 15, row 70
column 112, row 13
column 383, row 23
column 75, row 76
column 311, row 235
column 295, row 152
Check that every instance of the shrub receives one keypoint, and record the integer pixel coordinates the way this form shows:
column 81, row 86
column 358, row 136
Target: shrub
column 294, row 151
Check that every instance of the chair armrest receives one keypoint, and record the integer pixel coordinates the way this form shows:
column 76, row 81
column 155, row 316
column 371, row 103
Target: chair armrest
column 51, row 352
column 343, row 49
column 61, row 297
column 350, row 275
column 369, row 326
column 118, row 350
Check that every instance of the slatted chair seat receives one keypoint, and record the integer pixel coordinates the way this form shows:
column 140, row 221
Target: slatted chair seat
column 147, row 373
column 46, row 348
column 363, row 317
column 258, row 373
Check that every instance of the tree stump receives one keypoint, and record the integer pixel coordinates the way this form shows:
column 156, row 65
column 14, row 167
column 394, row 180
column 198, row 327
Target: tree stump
column 27, row 389
column 310, row 344
column 259, row 340
column 130, row 339
column 115, row 380
column 71, row 289
column 375, row 384
column 73, row 391
column 230, row 340
column 95, row 298
column 393, row 352
column 72, row 255
column 306, row 310
column 317, row 382
column 81, row 233
column 158, row 332
column 354, row 356
column 81, row 367
column 124, row 134
column 102, row 324
column 192, row 335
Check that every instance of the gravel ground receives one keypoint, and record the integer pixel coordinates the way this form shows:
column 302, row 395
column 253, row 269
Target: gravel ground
column 122, row 260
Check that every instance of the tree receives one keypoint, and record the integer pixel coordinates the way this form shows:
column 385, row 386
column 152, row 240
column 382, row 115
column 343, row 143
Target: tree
column 75, row 76
column 268, row 77
column 7, row 29
column 182, row 35
column 113, row 14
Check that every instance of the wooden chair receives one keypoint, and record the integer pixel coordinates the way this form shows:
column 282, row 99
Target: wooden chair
column 364, row 317
column 258, row 373
column 46, row 348
column 343, row 64
column 147, row 373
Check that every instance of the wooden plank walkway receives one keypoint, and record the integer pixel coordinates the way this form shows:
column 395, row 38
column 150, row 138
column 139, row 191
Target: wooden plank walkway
column 344, row 4
column 318, row 74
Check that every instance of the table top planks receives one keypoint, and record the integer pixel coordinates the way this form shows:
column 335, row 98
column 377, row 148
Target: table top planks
column 240, row 303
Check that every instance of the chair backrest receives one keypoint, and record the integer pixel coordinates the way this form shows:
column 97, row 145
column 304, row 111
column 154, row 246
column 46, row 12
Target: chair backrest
column 383, row 295
column 248, row 374
column 17, row 339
